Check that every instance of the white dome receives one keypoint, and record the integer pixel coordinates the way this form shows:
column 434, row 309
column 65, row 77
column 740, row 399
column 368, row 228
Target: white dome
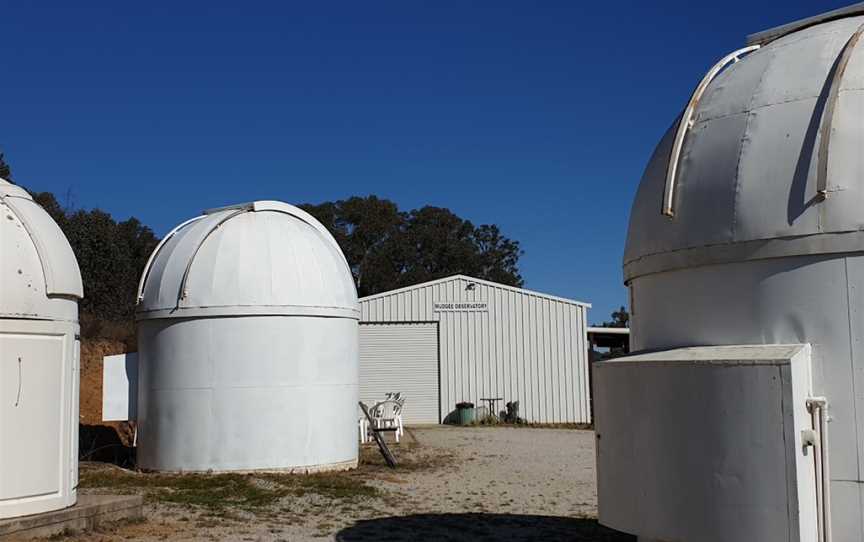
column 262, row 258
column 248, row 313
column 747, row 183
column 40, row 285
column 39, row 275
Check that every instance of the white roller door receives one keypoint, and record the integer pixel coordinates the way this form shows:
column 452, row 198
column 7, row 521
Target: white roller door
column 401, row 357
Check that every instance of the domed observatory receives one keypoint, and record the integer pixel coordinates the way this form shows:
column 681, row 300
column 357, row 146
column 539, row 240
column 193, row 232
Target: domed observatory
column 744, row 417
column 40, row 285
column 248, row 345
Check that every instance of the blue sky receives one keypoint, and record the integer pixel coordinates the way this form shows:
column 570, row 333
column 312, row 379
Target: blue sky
column 536, row 116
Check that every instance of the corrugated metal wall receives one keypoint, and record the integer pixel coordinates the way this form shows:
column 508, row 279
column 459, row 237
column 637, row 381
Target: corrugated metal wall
column 525, row 346
column 401, row 357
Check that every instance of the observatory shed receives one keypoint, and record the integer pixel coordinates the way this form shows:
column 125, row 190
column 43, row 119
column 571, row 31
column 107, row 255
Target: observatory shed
column 40, row 286
column 247, row 345
column 747, row 232
column 463, row 339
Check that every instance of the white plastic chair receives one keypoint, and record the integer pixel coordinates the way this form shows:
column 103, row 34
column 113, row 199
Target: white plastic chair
column 388, row 414
column 364, row 429
column 363, row 423
column 397, row 415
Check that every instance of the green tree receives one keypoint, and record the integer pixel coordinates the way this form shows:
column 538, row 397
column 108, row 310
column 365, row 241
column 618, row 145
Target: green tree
column 52, row 206
column 499, row 256
column 387, row 248
column 369, row 231
column 620, row 318
column 111, row 256
column 5, row 170
column 438, row 244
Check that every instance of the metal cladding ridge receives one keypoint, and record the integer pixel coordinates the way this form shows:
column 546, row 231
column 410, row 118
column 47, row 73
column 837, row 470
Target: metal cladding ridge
column 748, row 176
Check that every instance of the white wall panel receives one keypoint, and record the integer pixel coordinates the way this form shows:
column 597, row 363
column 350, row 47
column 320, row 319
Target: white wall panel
column 38, row 416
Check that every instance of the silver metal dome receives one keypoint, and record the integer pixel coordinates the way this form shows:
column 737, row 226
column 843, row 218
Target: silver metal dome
column 766, row 160
column 747, row 231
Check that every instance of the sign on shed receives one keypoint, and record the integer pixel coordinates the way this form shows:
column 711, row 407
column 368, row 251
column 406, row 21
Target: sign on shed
column 461, row 306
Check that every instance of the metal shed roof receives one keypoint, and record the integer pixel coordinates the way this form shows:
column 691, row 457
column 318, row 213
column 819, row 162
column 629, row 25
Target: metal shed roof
column 479, row 281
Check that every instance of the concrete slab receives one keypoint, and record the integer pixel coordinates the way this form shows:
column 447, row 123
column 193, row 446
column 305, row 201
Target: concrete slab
column 90, row 512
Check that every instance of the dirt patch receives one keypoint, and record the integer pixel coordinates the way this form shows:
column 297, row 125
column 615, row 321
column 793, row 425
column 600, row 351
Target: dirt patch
column 453, row 483
column 411, row 456
column 219, row 493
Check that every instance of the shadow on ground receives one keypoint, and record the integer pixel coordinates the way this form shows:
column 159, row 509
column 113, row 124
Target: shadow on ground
column 484, row 527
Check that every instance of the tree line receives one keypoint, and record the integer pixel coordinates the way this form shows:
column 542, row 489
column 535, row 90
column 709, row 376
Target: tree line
column 386, row 248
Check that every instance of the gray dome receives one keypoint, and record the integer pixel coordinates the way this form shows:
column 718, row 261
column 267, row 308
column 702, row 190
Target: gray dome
column 747, row 184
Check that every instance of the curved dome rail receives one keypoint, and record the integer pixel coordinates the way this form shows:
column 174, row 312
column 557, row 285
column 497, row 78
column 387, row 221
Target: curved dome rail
column 290, row 210
column 687, row 122
column 182, row 294
column 28, row 229
column 53, row 285
column 146, row 274
column 830, row 112
column 233, row 211
column 257, row 207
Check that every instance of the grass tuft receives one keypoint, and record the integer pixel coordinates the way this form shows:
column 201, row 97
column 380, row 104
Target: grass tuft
column 223, row 492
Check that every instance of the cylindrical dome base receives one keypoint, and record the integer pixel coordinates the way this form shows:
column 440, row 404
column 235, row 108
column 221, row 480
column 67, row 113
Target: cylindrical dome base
column 248, row 393
column 39, row 380
column 804, row 299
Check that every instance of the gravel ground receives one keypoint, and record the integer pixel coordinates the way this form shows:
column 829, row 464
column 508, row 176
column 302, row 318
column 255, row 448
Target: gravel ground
column 475, row 483
column 506, row 469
